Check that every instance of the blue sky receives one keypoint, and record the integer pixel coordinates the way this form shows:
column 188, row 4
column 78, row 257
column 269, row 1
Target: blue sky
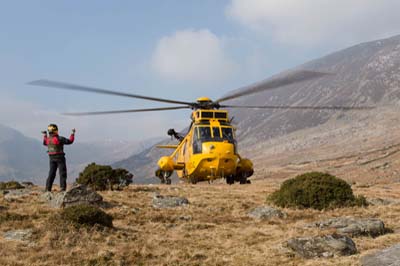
column 172, row 49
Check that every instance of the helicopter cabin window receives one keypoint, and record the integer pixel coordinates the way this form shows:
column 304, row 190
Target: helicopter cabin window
column 220, row 115
column 207, row 115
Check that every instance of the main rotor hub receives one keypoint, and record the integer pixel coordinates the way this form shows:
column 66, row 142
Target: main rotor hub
column 204, row 100
column 205, row 103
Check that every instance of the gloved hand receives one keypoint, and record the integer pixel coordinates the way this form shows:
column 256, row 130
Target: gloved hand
column 44, row 132
column 73, row 131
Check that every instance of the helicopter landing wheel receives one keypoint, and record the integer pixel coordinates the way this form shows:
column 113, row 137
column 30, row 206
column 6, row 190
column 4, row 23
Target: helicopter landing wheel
column 230, row 180
column 243, row 180
column 193, row 180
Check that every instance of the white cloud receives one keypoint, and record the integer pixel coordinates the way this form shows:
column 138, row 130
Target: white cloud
column 191, row 55
column 313, row 22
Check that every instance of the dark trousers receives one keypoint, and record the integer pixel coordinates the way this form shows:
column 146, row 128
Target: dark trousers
column 57, row 161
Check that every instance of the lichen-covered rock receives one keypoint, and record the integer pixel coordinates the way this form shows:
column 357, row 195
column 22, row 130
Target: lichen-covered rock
column 322, row 246
column 266, row 212
column 382, row 202
column 76, row 196
column 386, row 257
column 27, row 184
column 354, row 226
column 17, row 194
column 160, row 201
column 18, row 235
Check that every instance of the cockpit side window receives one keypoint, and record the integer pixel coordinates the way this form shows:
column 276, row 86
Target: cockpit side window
column 201, row 134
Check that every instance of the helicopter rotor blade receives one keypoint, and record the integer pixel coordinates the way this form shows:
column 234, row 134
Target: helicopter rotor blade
column 275, row 83
column 69, row 86
column 344, row 108
column 127, row 111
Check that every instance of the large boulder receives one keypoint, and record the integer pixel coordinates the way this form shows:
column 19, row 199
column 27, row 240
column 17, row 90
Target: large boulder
column 11, row 195
column 18, row 235
column 382, row 202
column 386, row 257
column 160, row 201
column 78, row 195
column 322, row 246
column 354, row 226
column 266, row 213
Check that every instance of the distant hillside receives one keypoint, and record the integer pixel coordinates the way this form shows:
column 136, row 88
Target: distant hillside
column 23, row 158
column 363, row 75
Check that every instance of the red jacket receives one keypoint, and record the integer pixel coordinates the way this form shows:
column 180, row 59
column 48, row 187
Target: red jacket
column 56, row 143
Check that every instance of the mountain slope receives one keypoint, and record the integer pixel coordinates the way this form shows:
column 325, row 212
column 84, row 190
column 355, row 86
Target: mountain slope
column 363, row 75
column 20, row 157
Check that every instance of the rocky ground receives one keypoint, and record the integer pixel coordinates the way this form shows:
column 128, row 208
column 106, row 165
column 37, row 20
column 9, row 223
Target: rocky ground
column 204, row 224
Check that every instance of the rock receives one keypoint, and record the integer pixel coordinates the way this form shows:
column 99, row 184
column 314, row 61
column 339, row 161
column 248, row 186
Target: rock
column 354, row 226
column 386, row 257
column 382, row 202
column 322, row 246
column 185, row 218
column 46, row 196
column 18, row 235
column 17, row 194
column 3, row 208
column 27, row 184
column 160, row 201
column 266, row 213
column 135, row 210
column 76, row 196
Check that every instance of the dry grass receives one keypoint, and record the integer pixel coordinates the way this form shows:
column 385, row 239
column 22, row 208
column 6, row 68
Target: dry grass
column 212, row 230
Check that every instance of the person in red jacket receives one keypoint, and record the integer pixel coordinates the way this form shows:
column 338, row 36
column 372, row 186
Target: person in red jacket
column 55, row 145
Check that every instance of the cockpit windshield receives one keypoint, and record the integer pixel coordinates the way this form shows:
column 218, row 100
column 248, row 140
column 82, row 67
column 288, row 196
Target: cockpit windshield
column 227, row 134
column 204, row 133
column 207, row 134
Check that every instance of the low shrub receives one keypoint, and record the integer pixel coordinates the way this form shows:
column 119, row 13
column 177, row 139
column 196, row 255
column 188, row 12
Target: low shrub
column 317, row 191
column 86, row 215
column 104, row 177
column 10, row 185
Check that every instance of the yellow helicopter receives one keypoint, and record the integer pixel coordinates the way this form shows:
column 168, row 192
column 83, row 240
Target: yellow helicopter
column 208, row 150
